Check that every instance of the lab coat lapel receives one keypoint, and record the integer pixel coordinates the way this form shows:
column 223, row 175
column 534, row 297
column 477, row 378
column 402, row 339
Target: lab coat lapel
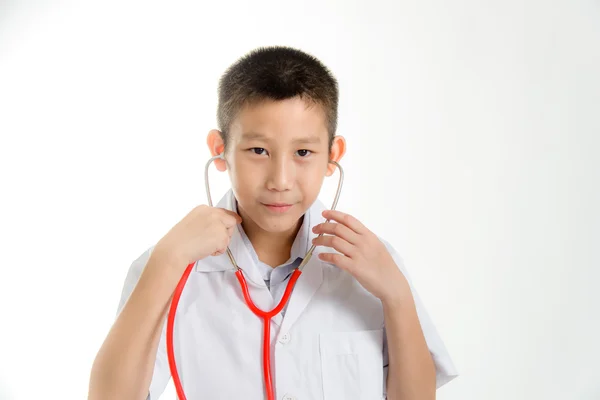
column 305, row 288
column 312, row 274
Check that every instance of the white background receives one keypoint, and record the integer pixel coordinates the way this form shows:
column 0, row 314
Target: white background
column 473, row 139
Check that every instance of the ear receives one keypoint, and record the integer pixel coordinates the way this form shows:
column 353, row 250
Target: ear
column 216, row 146
column 338, row 149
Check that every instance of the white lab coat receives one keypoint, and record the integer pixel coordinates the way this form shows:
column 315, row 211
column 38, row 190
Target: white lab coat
column 329, row 345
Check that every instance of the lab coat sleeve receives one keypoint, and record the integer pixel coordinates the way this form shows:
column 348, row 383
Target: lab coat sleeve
column 444, row 366
column 161, row 374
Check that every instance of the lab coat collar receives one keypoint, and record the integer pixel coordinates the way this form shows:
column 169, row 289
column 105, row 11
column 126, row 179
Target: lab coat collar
column 307, row 284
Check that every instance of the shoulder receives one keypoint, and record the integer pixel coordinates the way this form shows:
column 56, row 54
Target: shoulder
column 134, row 272
column 138, row 264
column 391, row 249
column 394, row 252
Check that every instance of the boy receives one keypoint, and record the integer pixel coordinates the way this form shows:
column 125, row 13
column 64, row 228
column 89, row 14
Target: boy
column 353, row 327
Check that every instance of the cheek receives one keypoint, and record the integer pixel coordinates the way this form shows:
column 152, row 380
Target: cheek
column 244, row 175
column 311, row 179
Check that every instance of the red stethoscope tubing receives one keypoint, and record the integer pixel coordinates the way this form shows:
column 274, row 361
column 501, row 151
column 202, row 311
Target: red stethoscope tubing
column 265, row 315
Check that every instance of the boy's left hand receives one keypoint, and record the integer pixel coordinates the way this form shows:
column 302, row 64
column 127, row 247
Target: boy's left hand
column 364, row 256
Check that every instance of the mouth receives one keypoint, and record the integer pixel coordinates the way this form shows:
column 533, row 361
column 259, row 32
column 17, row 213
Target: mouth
column 278, row 207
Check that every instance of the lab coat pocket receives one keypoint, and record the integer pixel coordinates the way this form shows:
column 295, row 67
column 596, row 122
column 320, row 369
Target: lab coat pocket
column 352, row 365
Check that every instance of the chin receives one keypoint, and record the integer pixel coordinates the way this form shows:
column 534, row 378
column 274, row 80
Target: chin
column 277, row 223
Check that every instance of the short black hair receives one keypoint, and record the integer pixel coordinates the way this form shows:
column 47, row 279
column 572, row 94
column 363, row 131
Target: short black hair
column 276, row 73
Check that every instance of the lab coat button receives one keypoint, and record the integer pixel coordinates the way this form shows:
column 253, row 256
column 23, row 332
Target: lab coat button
column 285, row 338
column 289, row 397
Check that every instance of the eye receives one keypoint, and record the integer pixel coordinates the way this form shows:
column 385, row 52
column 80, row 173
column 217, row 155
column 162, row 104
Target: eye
column 303, row 152
column 258, row 150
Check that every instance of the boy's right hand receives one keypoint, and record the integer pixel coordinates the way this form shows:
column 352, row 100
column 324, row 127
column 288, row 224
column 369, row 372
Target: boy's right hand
column 204, row 231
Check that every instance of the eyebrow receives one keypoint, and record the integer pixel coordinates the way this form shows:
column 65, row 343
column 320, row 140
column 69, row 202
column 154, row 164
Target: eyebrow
column 261, row 137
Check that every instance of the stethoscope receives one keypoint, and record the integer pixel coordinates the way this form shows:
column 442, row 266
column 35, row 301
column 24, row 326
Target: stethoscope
column 265, row 315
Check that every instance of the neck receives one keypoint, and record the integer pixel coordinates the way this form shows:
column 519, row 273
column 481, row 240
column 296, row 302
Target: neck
column 272, row 248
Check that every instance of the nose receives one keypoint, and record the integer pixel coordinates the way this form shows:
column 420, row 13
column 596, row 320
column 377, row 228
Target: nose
column 281, row 174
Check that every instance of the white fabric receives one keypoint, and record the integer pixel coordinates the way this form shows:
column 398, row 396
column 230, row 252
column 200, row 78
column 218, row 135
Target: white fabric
column 330, row 345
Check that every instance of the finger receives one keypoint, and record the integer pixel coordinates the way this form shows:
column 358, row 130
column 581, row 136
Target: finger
column 229, row 218
column 338, row 260
column 230, row 230
column 218, row 253
column 335, row 242
column 346, row 219
column 340, row 230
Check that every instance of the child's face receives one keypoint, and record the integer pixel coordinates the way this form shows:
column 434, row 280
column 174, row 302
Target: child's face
column 277, row 153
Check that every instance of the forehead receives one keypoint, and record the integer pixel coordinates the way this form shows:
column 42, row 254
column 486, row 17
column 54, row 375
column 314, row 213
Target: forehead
column 283, row 120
